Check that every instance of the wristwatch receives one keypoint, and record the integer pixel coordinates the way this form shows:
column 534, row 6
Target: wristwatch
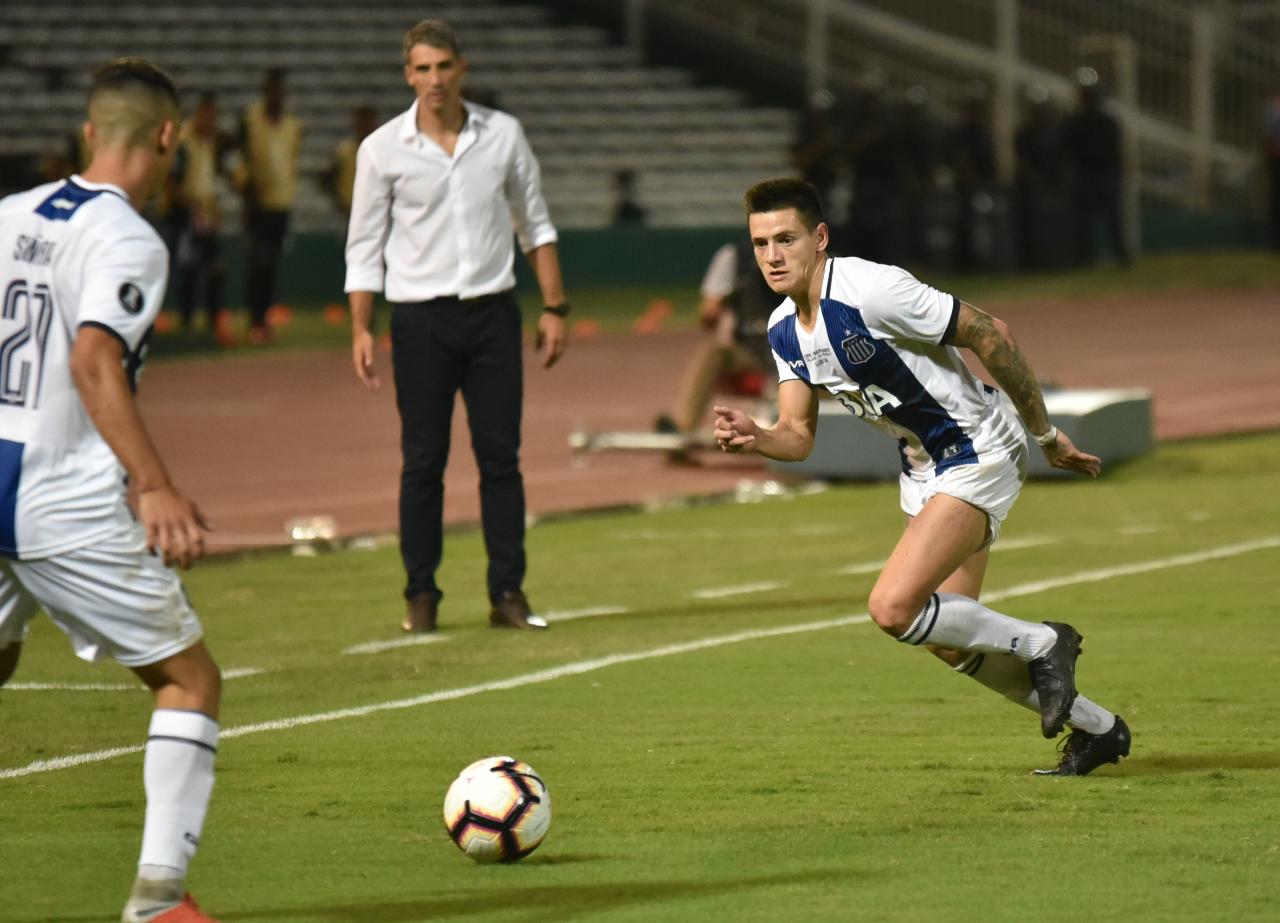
column 559, row 310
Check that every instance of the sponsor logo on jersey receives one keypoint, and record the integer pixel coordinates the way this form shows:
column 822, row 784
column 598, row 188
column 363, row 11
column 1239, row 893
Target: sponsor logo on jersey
column 869, row 402
column 858, row 348
column 131, row 298
column 796, row 363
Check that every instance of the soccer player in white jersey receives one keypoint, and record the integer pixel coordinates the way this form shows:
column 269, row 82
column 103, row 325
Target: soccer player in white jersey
column 82, row 277
column 886, row 346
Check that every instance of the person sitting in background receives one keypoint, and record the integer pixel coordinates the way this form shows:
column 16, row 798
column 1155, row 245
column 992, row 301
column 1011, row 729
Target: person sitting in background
column 734, row 308
column 626, row 209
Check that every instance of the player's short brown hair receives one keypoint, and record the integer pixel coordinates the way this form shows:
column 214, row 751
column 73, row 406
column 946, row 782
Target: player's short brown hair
column 774, row 195
column 433, row 32
column 128, row 99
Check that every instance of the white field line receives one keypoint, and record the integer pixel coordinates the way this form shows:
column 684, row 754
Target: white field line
column 670, row 650
column 236, row 673
column 1013, row 544
column 741, row 589
column 587, row 613
column 75, row 687
column 377, row 647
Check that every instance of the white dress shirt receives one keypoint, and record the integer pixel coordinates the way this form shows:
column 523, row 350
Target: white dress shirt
column 425, row 225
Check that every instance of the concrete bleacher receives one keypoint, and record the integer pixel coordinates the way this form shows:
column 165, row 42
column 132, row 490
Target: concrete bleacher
column 589, row 107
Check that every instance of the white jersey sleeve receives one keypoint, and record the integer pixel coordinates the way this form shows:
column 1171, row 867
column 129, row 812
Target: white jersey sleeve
column 123, row 285
column 896, row 304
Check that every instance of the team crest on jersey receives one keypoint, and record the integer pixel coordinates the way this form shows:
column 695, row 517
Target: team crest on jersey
column 858, row 348
column 130, row 298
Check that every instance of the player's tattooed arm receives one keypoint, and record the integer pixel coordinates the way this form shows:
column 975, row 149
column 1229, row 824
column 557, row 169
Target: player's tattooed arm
column 991, row 341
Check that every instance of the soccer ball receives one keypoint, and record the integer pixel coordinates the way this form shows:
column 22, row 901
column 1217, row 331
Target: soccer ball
column 497, row 810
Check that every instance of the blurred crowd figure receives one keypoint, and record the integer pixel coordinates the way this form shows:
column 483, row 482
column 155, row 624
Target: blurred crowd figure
column 267, row 178
column 340, row 178
column 1091, row 138
column 923, row 189
column 194, row 218
column 1271, row 129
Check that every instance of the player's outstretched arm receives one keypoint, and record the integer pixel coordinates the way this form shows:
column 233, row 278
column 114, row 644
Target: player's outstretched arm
column 790, row 439
column 992, row 342
column 174, row 525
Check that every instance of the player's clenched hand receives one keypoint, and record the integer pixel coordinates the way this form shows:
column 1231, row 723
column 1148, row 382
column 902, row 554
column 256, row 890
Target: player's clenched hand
column 1063, row 454
column 734, row 430
column 362, row 347
column 175, row 527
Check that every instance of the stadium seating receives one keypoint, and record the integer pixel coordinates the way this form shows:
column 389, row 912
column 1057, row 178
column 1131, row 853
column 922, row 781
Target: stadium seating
column 590, row 107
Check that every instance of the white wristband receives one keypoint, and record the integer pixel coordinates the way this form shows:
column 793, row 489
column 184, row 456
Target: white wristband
column 1048, row 438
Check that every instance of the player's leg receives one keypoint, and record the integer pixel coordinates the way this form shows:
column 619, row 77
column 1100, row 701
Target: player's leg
column 114, row 599
column 906, row 604
column 1003, row 673
column 178, row 775
column 17, row 608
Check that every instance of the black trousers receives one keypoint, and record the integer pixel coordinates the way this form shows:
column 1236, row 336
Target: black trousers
column 199, row 260
column 439, row 348
column 265, row 232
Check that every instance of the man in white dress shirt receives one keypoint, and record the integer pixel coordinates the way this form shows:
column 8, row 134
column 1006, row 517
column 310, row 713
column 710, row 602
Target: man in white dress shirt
column 83, row 277
column 439, row 191
column 885, row 346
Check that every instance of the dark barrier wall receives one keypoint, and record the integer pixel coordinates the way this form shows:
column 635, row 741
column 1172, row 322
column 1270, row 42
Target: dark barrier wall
column 312, row 273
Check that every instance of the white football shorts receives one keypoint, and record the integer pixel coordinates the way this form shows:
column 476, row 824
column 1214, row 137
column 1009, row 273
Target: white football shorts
column 992, row 486
column 112, row 598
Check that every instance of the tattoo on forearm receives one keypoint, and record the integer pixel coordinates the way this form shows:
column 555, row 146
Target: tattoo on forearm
column 1009, row 367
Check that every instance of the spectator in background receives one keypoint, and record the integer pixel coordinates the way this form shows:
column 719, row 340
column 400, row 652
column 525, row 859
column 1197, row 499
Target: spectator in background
column 340, row 178
column 1271, row 125
column 734, row 308
column 1091, row 139
column 1041, row 207
column 270, row 144
column 439, row 192
column 974, row 164
column 626, row 210
column 815, row 151
column 197, row 218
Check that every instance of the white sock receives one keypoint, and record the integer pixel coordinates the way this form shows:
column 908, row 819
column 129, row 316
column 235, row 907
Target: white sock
column 963, row 624
column 1008, row 676
column 178, row 774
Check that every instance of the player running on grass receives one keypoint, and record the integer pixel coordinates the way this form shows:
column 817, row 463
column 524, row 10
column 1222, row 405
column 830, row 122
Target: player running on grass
column 885, row 346
column 82, row 276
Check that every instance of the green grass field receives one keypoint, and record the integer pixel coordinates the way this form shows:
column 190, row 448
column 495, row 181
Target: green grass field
column 760, row 756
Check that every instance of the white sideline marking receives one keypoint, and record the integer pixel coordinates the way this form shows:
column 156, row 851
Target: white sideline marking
column 114, row 687
column 76, row 687
column 866, row 567
column 377, row 647
column 240, row 672
column 588, row 666
column 740, row 590
column 1013, row 544
column 589, row 612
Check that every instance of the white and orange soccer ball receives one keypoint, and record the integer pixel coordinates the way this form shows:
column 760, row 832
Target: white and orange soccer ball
column 497, row 810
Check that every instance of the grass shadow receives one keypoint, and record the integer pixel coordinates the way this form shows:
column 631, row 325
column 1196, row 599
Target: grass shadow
column 1166, row 763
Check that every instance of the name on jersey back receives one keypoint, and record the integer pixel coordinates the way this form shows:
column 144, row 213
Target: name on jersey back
column 34, row 250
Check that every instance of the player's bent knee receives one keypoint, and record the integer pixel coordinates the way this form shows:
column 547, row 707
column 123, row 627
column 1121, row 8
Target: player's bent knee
column 891, row 612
